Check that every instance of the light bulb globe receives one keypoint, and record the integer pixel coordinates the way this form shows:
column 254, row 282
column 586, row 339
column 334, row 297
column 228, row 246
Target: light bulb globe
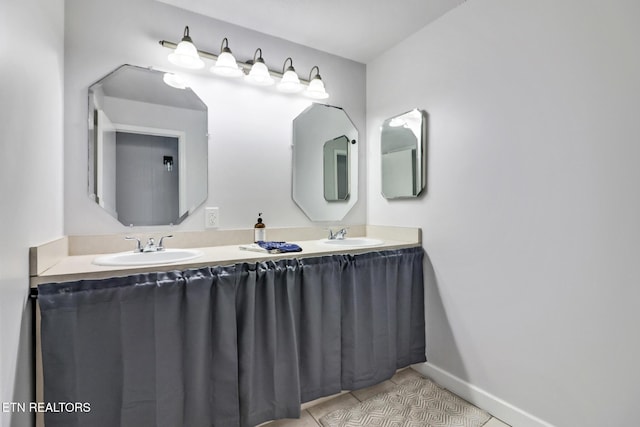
column 290, row 82
column 259, row 75
column 174, row 80
column 186, row 55
column 226, row 66
column 316, row 90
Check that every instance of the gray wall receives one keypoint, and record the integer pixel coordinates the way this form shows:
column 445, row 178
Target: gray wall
column 31, row 202
column 140, row 167
column 250, row 128
column 531, row 216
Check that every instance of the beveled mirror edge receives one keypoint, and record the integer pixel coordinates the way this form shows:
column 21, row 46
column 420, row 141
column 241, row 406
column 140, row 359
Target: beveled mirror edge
column 422, row 152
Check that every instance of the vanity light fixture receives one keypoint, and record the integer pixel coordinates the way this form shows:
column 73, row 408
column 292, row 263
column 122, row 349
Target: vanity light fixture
column 186, row 55
column 290, row 82
column 316, row 88
column 174, row 80
column 259, row 74
column 226, row 64
column 254, row 71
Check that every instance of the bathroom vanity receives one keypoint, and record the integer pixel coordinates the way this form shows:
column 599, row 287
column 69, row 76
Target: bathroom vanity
column 232, row 337
column 71, row 258
column 197, row 328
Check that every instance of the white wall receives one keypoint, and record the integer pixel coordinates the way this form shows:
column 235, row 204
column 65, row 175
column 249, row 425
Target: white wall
column 31, row 77
column 250, row 143
column 532, row 211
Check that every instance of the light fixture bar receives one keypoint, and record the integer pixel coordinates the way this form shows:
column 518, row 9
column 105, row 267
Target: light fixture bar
column 245, row 65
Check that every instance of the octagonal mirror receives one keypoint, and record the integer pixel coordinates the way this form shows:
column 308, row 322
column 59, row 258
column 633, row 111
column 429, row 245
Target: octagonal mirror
column 147, row 148
column 325, row 162
column 403, row 153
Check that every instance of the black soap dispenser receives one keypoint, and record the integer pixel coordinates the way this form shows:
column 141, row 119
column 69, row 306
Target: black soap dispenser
column 259, row 230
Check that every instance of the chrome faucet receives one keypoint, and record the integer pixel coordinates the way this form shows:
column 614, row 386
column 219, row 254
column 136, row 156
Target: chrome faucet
column 160, row 246
column 150, row 246
column 138, row 244
column 338, row 235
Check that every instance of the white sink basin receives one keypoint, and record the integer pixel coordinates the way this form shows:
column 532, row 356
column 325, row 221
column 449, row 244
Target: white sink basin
column 166, row 256
column 353, row 242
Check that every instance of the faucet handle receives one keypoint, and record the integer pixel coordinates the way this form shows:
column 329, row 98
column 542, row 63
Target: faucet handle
column 160, row 247
column 138, row 244
column 338, row 235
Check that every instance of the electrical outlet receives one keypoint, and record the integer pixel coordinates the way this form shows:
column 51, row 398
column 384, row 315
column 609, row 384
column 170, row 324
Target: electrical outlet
column 211, row 217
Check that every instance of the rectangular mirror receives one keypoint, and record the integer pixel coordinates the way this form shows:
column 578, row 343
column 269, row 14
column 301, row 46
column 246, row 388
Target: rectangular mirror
column 403, row 154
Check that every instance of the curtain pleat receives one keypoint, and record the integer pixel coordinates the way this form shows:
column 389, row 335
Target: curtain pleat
column 318, row 327
column 229, row 346
column 267, row 346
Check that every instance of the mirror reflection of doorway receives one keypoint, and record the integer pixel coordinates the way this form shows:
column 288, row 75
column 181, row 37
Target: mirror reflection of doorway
column 147, row 187
column 336, row 169
column 342, row 174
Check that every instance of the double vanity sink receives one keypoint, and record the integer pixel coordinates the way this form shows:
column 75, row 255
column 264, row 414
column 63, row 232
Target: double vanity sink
column 167, row 256
column 94, row 257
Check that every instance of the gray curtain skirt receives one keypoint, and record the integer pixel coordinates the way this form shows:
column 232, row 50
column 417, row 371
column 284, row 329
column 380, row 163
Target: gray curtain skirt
column 229, row 346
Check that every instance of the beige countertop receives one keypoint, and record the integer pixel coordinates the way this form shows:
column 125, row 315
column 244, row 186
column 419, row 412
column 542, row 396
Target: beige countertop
column 77, row 267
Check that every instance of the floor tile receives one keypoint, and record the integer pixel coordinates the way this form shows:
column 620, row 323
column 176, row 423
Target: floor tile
column 320, row 400
column 365, row 393
column 305, row 420
column 311, row 416
column 494, row 422
column 404, row 375
column 340, row 402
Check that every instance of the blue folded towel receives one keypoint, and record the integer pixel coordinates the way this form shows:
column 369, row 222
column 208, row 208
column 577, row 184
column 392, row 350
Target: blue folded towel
column 275, row 247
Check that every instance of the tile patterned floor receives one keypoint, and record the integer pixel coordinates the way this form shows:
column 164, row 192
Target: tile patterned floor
column 311, row 415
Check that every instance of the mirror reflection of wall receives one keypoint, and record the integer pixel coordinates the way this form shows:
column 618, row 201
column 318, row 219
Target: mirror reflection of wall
column 325, row 163
column 403, row 154
column 146, row 186
column 147, row 148
column 336, row 169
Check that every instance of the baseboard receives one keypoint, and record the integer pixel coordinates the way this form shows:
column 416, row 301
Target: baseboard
column 497, row 407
